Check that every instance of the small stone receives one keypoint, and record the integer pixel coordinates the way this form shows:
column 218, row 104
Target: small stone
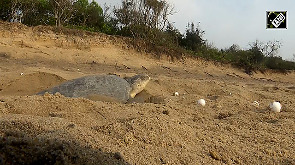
column 215, row 155
column 163, row 161
column 255, row 104
column 72, row 125
column 166, row 112
column 176, row 94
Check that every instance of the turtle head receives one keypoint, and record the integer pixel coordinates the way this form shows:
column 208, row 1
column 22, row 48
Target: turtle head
column 137, row 83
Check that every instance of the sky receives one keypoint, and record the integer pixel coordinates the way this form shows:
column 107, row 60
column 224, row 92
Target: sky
column 228, row 22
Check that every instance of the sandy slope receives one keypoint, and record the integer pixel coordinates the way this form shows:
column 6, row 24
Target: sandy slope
column 53, row 128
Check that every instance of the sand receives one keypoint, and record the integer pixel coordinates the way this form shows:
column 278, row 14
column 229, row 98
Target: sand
column 157, row 128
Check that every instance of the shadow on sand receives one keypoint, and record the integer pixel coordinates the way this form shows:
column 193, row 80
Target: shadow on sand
column 18, row 148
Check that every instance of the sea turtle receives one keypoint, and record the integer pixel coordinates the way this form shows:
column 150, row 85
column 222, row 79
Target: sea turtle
column 102, row 87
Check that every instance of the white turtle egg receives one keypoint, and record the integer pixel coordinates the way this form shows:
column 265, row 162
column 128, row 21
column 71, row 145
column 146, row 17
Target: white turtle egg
column 21, row 74
column 176, row 94
column 202, row 102
column 275, row 106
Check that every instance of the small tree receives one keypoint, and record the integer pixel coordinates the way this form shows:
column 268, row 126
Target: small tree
column 80, row 12
column 141, row 17
column 110, row 25
column 233, row 49
column 145, row 20
column 37, row 12
column 193, row 38
column 63, row 10
column 256, row 55
column 29, row 12
column 85, row 14
column 173, row 34
column 95, row 15
column 269, row 49
column 16, row 10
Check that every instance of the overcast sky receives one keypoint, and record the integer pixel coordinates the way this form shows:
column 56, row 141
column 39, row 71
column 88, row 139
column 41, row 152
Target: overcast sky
column 228, row 22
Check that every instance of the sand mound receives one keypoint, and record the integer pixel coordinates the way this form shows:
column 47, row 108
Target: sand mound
column 31, row 84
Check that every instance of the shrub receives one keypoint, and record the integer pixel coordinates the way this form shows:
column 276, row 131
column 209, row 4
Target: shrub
column 278, row 63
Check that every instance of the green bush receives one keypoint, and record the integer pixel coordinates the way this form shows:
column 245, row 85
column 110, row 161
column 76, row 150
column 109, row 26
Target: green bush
column 278, row 63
